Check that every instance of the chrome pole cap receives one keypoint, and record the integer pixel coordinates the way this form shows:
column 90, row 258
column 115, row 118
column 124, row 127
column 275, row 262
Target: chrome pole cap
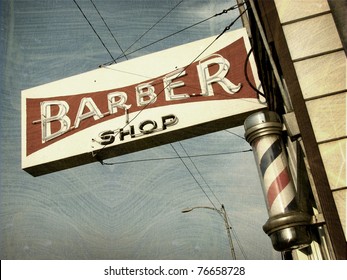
column 262, row 123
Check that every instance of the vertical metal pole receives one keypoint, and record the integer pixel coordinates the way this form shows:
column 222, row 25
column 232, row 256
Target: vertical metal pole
column 228, row 227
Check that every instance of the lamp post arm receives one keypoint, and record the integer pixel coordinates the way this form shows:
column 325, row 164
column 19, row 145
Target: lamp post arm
column 223, row 214
column 186, row 210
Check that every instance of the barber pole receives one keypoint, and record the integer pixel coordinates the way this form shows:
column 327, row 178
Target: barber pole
column 278, row 186
column 287, row 225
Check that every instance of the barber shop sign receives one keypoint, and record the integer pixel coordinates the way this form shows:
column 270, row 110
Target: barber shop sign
column 152, row 100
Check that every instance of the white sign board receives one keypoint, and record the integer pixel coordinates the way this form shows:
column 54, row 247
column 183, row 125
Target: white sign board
column 152, row 100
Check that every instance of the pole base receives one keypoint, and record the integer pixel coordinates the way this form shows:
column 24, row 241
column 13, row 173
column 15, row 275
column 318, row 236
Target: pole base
column 291, row 238
column 289, row 231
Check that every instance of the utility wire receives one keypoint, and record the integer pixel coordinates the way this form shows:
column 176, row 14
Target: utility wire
column 227, row 28
column 183, row 157
column 191, row 173
column 186, row 28
column 169, row 158
column 229, row 222
column 235, row 134
column 96, row 33
column 227, row 216
column 196, row 168
column 152, row 27
column 114, row 38
column 231, row 24
column 237, row 239
column 124, row 55
column 183, row 69
column 162, row 39
column 179, row 156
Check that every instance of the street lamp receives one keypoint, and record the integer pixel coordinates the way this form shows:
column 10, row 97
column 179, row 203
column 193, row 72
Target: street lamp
column 223, row 214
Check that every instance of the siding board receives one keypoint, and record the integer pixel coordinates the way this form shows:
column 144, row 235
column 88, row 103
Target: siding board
column 334, row 159
column 321, row 75
column 328, row 116
column 296, row 9
column 312, row 37
column 340, row 197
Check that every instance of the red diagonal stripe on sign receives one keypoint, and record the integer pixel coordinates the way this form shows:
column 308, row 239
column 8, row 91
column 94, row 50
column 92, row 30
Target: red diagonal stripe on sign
column 235, row 54
column 277, row 186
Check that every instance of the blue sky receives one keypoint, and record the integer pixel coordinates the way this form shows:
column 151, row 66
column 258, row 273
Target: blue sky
column 132, row 209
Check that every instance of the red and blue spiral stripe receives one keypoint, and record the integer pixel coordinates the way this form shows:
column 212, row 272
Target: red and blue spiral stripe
column 278, row 186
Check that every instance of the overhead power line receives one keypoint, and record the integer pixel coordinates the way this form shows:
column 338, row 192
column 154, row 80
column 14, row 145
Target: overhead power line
column 109, row 30
column 191, row 173
column 177, row 157
column 228, row 222
column 243, row 138
column 183, row 69
column 237, row 239
column 186, row 28
column 200, row 54
column 156, row 23
column 202, row 177
column 96, row 33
